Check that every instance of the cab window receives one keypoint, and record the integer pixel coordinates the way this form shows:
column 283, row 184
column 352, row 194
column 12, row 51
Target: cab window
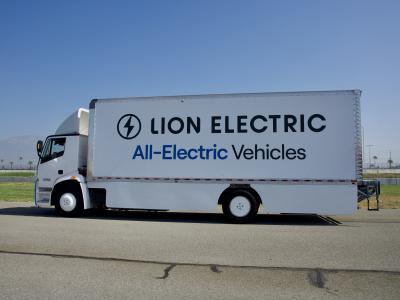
column 53, row 148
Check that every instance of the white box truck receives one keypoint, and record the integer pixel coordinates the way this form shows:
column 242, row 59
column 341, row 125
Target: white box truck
column 294, row 152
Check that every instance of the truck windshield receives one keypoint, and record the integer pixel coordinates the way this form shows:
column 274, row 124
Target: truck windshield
column 54, row 148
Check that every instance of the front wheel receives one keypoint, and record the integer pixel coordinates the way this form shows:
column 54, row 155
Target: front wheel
column 69, row 203
column 240, row 206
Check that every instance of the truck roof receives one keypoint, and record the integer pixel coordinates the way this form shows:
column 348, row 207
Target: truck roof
column 230, row 95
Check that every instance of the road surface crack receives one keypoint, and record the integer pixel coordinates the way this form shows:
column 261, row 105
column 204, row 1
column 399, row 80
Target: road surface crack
column 318, row 279
column 166, row 271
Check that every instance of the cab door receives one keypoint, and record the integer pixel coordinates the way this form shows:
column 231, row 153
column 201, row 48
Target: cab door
column 51, row 164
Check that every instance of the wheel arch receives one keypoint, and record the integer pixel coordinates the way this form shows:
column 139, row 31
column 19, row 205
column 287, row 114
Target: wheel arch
column 76, row 182
column 233, row 187
column 65, row 185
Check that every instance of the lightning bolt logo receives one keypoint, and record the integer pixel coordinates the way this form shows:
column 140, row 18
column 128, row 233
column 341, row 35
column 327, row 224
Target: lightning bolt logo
column 128, row 126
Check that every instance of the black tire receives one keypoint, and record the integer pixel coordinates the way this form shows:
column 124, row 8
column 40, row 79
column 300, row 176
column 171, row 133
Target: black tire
column 61, row 194
column 241, row 211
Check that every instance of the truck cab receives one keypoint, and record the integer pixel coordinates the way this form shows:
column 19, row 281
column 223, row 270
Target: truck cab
column 61, row 169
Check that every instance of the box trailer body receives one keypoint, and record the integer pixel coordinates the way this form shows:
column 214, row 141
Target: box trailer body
column 297, row 152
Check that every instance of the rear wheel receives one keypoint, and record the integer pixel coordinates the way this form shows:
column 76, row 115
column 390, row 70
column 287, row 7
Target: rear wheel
column 69, row 203
column 240, row 206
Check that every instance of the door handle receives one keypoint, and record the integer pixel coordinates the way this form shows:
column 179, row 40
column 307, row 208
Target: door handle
column 60, row 172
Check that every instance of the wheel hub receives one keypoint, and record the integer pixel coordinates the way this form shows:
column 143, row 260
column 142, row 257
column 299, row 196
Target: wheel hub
column 67, row 202
column 240, row 206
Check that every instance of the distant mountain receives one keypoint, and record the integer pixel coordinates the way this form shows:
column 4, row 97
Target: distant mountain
column 13, row 148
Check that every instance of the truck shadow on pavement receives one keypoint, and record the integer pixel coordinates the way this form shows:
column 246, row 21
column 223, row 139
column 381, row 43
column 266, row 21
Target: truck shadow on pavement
column 178, row 217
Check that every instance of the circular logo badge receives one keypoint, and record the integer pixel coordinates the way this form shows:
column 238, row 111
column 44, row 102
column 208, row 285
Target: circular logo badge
column 129, row 126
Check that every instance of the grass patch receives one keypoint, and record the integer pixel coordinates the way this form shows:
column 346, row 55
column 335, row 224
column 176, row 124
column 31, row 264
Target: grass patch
column 389, row 198
column 391, row 190
column 16, row 191
column 17, row 174
column 380, row 175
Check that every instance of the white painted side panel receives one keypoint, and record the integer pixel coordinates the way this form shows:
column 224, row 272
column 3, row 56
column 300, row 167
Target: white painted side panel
column 279, row 198
column 329, row 154
column 318, row 199
column 168, row 196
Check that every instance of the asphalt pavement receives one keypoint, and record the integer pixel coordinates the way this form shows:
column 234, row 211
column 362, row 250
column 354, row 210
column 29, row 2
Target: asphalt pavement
column 119, row 255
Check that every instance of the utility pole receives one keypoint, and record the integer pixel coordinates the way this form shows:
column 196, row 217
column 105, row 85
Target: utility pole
column 390, row 161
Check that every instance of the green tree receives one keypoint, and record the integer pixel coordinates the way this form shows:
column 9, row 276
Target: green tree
column 390, row 161
column 375, row 158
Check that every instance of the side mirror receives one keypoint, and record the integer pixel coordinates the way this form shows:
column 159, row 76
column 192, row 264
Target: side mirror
column 39, row 147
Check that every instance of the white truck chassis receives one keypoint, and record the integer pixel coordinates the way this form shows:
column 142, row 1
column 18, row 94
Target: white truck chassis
column 103, row 158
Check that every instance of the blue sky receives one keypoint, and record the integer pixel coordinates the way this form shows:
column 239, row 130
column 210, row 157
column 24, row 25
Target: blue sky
column 57, row 55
